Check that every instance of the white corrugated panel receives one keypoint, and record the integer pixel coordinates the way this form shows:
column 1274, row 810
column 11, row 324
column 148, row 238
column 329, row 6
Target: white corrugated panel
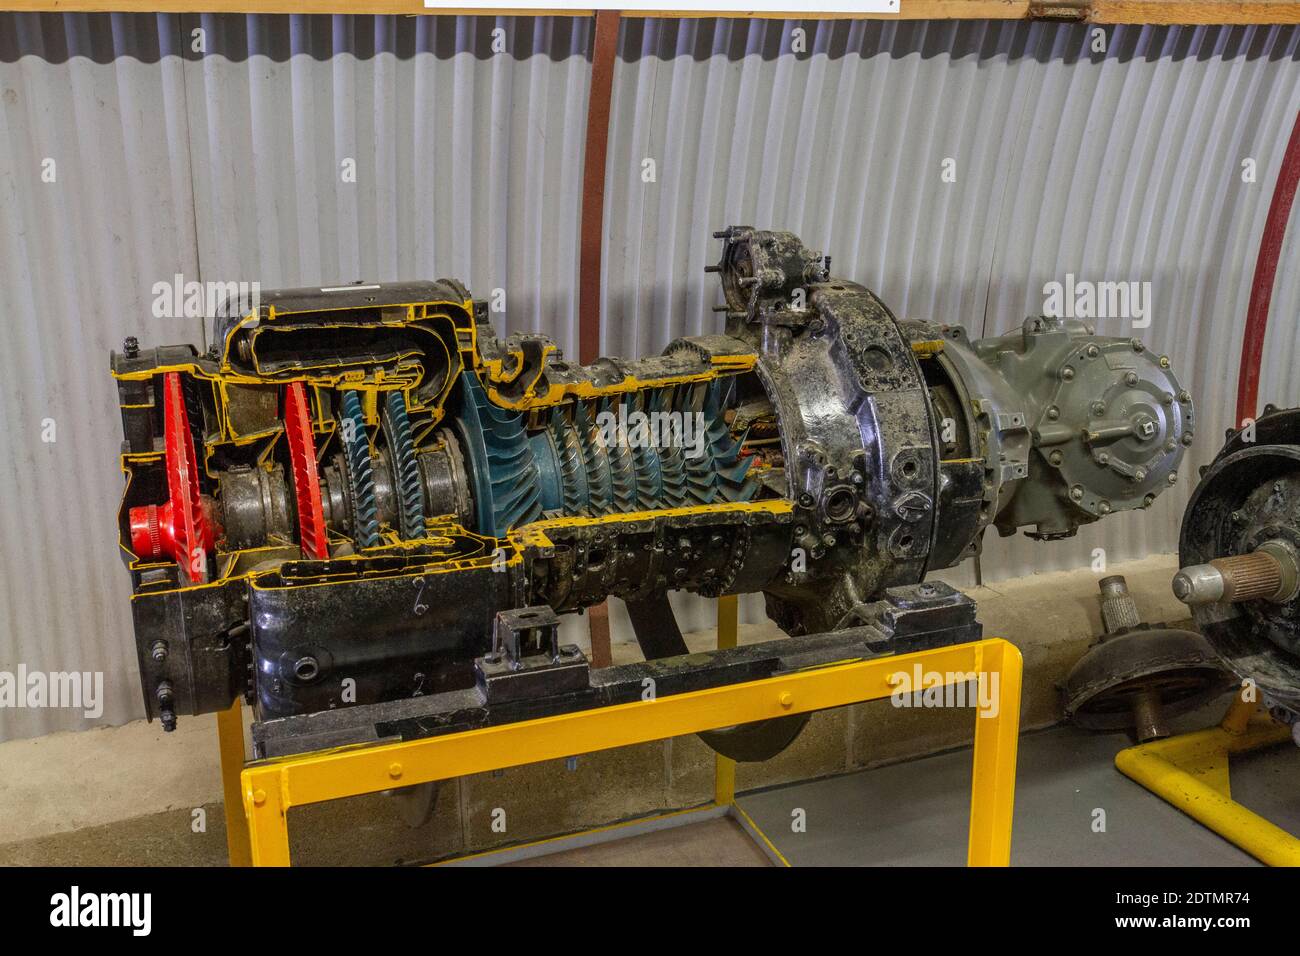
column 1123, row 165
column 78, row 256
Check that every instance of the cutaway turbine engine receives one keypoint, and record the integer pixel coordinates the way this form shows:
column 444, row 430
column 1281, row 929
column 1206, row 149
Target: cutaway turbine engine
column 336, row 503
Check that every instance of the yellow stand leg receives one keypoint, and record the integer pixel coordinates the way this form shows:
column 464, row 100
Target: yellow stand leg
column 1190, row 772
column 993, row 774
column 230, row 740
column 724, row 768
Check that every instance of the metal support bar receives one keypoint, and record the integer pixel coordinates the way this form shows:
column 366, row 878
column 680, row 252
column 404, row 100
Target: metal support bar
column 724, row 768
column 1190, row 771
column 270, row 788
column 230, row 741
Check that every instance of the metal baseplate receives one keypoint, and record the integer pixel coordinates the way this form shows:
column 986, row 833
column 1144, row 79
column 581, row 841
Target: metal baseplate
column 1190, row 772
column 260, row 794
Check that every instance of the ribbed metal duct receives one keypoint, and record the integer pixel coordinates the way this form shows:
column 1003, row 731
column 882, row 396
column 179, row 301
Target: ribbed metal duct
column 227, row 165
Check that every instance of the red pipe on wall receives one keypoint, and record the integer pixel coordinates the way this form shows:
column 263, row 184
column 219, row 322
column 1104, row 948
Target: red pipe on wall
column 603, row 51
column 1261, row 291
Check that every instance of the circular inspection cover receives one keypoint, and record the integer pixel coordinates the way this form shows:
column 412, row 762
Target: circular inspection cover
column 1177, row 666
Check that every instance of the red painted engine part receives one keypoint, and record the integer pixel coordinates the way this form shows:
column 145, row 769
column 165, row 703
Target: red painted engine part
column 178, row 528
column 306, row 482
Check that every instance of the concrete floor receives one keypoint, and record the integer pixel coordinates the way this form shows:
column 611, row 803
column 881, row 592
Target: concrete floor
column 720, row 842
column 916, row 813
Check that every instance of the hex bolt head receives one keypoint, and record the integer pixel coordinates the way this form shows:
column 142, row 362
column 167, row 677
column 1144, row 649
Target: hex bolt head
column 1092, row 351
column 1137, row 345
column 1056, row 458
column 1067, row 373
column 1076, row 493
column 1173, row 477
column 1099, row 408
column 1139, row 474
column 1103, row 507
column 1053, row 413
column 1164, row 361
column 1184, row 396
column 1187, row 438
column 1131, row 379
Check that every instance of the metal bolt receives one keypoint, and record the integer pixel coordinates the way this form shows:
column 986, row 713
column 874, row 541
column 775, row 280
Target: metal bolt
column 1076, row 493
column 131, row 346
column 1092, row 351
column 1130, row 379
column 1139, row 474
column 1103, row 459
column 786, row 699
column 1187, row 438
column 1137, row 345
column 1164, row 361
column 1053, row 412
column 1067, row 373
column 158, row 651
column 1173, row 477
column 1055, row 458
column 1171, row 445
column 394, row 770
column 1099, row 408
column 1104, row 507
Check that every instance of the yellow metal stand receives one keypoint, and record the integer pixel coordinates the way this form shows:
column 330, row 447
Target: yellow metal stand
column 269, row 788
column 1190, row 771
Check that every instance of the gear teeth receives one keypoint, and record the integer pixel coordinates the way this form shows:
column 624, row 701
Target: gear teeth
column 406, row 470
column 573, row 471
column 731, row 469
column 672, row 462
column 600, row 482
column 361, row 477
column 701, row 476
column 511, row 496
column 622, row 468
column 645, row 458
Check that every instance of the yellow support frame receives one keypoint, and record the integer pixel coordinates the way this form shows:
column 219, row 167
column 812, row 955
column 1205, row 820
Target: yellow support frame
column 268, row 789
column 1190, row 771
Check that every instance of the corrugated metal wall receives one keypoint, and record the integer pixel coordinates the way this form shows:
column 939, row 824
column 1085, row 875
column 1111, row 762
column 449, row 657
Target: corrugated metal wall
column 227, row 164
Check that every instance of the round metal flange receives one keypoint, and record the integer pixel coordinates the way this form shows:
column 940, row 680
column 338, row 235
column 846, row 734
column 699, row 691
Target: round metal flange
column 1131, row 680
column 761, row 740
